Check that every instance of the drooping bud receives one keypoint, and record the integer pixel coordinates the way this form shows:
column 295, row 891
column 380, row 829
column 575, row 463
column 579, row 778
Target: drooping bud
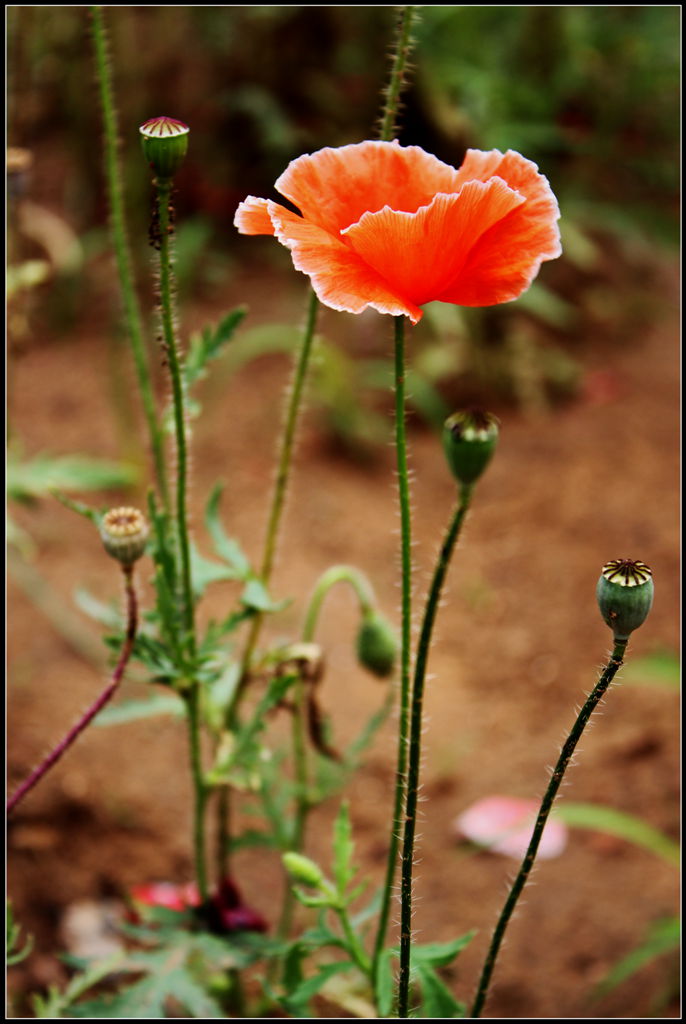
column 625, row 595
column 124, row 533
column 303, row 870
column 165, row 144
column 377, row 645
column 469, row 440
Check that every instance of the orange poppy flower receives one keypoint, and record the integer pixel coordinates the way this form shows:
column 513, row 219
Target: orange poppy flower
column 392, row 227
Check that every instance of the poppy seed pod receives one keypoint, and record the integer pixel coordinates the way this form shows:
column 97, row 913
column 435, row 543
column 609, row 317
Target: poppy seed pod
column 469, row 440
column 165, row 144
column 124, row 533
column 625, row 595
column 377, row 645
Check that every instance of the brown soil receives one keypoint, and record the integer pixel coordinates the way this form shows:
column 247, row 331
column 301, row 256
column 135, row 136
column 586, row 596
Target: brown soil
column 518, row 644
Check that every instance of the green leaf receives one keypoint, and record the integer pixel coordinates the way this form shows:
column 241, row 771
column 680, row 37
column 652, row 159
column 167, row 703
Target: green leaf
column 106, row 614
column 438, row 1002
column 14, row 955
column 617, row 823
column 207, row 345
column 136, row 710
column 226, row 547
column 663, row 937
column 255, row 595
column 343, row 848
column 385, row 982
column 37, row 477
column 298, row 998
column 440, row 954
column 204, row 572
column 661, row 668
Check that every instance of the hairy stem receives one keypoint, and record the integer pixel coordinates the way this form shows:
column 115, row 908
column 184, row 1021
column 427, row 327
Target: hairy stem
column 556, row 777
column 423, row 647
column 192, row 696
column 336, row 574
column 121, row 248
column 164, row 188
column 124, row 655
column 405, row 637
column 283, row 471
column 402, row 47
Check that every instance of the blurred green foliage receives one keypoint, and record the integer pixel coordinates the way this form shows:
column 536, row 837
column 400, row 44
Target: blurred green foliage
column 589, row 92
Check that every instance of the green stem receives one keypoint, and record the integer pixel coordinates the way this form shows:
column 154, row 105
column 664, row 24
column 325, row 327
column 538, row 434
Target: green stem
column 199, row 789
column 276, row 510
column 423, row 647
column 336, row 574
column 556, row 777
column 164, row 188
column 354, row 946
column 121, row 247
column 401, row 52
column 283, row 471
column 406, row 637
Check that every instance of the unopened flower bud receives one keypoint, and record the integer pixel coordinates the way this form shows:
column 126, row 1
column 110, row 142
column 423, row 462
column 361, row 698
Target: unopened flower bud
column 124, row 533
column 469, row 440
column 377, row 645
column 625, row 595
column 303, row 870
column 165, row 143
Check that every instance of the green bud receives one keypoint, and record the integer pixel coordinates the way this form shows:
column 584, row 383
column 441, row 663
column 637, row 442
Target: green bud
column 625, row 595
column 469, row 440
column 165, row 144
column 303, row 870
column 377, row 645
column 124, row 533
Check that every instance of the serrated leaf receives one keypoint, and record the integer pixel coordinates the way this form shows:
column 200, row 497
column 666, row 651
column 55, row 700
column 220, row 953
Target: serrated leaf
column 438, row 1002
column 226, row 547
column 136, row 710
column 207, row 345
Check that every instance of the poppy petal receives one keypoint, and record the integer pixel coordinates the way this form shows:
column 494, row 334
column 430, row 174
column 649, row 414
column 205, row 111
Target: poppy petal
column 422, row 254
column 507, row 257
column 252, row 217
column 334, row 187
column 339, row 277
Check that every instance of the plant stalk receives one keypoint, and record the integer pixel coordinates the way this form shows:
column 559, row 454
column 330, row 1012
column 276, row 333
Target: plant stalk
column 120, row 243
column 556, row 777
column 405, row 640
column 127, row 647
column 423, row 647
column 192, row 696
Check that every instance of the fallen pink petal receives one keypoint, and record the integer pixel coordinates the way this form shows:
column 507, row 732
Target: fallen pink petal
column 504, row 824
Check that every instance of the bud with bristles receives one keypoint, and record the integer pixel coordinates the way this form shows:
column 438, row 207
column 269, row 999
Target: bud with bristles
column 625, row 595
column 469, row 440
column 377, row 645
column 165, row 144
column 124, row 533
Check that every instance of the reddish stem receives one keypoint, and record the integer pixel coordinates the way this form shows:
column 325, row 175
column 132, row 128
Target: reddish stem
column 132, row 623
